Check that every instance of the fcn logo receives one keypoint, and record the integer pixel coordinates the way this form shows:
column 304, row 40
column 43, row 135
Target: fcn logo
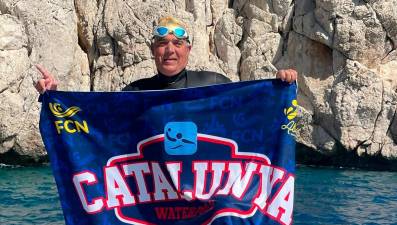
column 65, row 122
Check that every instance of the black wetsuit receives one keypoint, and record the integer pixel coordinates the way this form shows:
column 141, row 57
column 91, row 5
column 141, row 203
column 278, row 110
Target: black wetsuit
column 182, row 80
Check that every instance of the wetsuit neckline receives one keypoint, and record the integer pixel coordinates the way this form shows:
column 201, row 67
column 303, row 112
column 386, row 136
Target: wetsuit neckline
column 163, row 79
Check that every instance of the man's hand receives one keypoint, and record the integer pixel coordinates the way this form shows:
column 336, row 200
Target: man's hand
column 289, row 75
column 48, row 81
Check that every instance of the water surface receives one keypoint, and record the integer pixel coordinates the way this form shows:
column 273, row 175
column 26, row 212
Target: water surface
column 28, row 195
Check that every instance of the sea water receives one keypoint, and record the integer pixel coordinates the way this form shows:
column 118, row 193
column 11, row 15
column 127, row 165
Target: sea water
column 28, row 195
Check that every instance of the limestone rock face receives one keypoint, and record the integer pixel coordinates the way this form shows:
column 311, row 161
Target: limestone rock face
column 227, row 35
column 347, row 83
column 344, row 50
column 33, row 32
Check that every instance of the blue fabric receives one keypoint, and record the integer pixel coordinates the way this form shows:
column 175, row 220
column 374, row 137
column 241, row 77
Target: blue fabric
column 229, row 124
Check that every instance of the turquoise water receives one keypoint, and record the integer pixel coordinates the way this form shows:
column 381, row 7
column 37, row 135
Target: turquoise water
column 322, row 196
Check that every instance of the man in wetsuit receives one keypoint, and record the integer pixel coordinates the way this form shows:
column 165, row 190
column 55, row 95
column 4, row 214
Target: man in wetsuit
column 171, row 48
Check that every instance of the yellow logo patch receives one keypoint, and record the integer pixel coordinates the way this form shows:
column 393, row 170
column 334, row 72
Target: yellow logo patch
column 69, row 125
column 291, row 113
column 57, row 110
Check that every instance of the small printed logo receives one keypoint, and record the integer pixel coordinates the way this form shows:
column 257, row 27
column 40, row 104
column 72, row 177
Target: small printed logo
column 57, row 110
column 68, row 125
column 180, row 138
column 291, row 113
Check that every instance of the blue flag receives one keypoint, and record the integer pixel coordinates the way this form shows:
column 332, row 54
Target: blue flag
column 221, row 154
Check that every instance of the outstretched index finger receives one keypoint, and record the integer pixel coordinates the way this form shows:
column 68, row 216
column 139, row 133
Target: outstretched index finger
column 43, row 71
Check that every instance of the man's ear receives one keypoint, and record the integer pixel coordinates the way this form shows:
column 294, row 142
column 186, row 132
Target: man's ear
column 189, row 46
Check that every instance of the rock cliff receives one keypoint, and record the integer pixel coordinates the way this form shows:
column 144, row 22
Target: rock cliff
column 344, row 50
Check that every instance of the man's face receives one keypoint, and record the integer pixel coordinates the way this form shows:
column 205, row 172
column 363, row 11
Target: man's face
column 171, row 54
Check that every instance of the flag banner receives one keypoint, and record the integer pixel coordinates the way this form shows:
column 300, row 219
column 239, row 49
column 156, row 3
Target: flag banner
column 220, row 154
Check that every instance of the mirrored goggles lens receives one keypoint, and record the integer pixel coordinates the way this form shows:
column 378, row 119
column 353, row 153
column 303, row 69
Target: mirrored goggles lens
column 161, row 31
column 179, row 32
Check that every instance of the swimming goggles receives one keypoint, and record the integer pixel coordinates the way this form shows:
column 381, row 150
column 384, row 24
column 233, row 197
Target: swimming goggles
column 162, row 31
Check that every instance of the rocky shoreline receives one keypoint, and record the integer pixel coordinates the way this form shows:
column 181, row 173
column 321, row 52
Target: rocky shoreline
column 304, row 156
column 344, row 159
column 345, row 53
